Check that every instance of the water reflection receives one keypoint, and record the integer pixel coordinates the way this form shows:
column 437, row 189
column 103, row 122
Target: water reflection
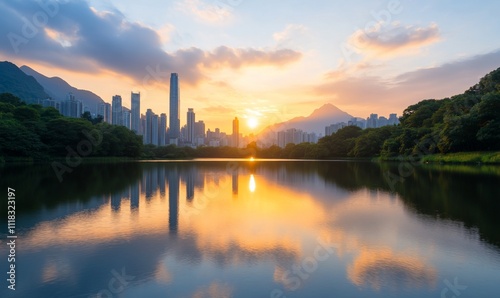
column 190, row 230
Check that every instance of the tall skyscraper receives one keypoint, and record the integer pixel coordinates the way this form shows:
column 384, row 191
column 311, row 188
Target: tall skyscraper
column 154, row 130
column 162, row 130
column 148, row 138
column 175, row 123
column 135, row 114
column 236, row 132
column 190, row 126
column 117, row 118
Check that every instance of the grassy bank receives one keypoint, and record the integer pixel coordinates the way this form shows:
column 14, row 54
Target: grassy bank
column 464, row 158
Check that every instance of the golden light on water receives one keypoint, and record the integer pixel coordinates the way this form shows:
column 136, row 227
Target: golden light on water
column 252, row 186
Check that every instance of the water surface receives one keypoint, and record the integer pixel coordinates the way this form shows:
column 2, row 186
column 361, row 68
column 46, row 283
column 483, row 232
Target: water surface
column 255, row 229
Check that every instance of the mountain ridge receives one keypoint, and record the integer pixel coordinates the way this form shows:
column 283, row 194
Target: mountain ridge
column 58, row 89
column 13, row 80
column 316, row 122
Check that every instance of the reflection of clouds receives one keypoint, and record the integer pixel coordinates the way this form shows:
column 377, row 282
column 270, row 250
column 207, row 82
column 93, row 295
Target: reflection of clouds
column 282, row 276
column 384, row 269
column 265, row 222
column 162, row 275
column 56, row 270
column 215, row 290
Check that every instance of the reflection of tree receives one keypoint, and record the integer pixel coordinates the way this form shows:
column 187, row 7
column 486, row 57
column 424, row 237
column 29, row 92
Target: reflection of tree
column 466, row 196
column 37, row 186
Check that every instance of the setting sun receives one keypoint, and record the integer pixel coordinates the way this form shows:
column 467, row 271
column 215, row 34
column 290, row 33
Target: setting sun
column 252, row 122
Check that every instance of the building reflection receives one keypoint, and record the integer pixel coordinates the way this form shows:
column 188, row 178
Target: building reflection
column 173, row 200
column 134, row 196
column 190, row 178
column 234, row 183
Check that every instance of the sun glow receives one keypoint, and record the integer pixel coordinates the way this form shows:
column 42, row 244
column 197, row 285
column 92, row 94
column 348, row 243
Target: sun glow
column 252, row 122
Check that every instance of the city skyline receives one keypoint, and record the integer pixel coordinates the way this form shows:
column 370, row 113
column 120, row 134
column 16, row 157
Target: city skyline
column 234, row 58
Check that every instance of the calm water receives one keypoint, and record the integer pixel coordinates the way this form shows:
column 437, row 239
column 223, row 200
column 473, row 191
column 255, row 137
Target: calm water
column 255, row 229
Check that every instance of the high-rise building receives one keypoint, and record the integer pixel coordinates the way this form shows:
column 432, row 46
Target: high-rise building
column 175, row 123
column 126, row 117
column 382, row 121
column 162, row 130
column 154, row 130
column 71, row 107
column 135, row 114
column 101, row 110
column 236, row 132
column 148, row 138
column 393, row 119
column 282, row 139
column 117, row 118
column 199, row 133
column 372, row 121
column 190, row 126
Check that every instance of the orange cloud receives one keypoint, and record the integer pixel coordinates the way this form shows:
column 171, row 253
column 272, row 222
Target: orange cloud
column 391, row 39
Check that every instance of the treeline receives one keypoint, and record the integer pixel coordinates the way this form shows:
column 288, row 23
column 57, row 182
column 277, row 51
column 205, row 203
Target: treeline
column 34, row 132
column 463, row 123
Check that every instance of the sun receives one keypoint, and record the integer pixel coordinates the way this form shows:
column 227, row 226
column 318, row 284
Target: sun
column 252, row 122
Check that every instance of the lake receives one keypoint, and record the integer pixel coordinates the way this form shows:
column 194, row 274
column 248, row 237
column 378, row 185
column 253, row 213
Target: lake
column 253, row 228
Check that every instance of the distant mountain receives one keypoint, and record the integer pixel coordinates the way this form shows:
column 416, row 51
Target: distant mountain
column 58, row 89
column 316, row 122
column 20, row 84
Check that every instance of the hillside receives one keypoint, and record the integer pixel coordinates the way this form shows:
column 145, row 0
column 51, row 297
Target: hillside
column 58, row 89
column 16, row 82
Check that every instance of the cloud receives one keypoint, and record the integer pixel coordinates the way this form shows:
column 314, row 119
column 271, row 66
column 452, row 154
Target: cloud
column 77, row 37
column 408, row 88
column 291, row 31
column 210, row 13
column 390, row 39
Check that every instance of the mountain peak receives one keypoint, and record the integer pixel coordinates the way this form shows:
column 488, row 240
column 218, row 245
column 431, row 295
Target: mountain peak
column 326, row 110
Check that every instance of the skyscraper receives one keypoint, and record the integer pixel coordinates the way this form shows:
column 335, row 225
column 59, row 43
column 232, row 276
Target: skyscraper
column 162, row 130
column 175, row 124
column 236, row 132
column 148, row 138
column 154, row 130
column 126, row 117
column 117, row 118
column 190, row 126
column 135, row 114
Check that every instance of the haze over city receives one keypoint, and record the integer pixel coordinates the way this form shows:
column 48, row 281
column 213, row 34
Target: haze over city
column 258, row 60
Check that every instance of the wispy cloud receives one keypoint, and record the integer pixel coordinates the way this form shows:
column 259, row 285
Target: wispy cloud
column 216, row 12
column 292, row 32
column 391, row 39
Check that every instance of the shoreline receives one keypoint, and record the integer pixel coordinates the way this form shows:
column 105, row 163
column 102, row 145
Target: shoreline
column 460, row 158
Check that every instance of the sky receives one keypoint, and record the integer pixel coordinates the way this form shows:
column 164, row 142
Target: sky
column 261, row 61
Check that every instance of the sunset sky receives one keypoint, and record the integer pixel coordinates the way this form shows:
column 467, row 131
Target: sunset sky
column 258, row 59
